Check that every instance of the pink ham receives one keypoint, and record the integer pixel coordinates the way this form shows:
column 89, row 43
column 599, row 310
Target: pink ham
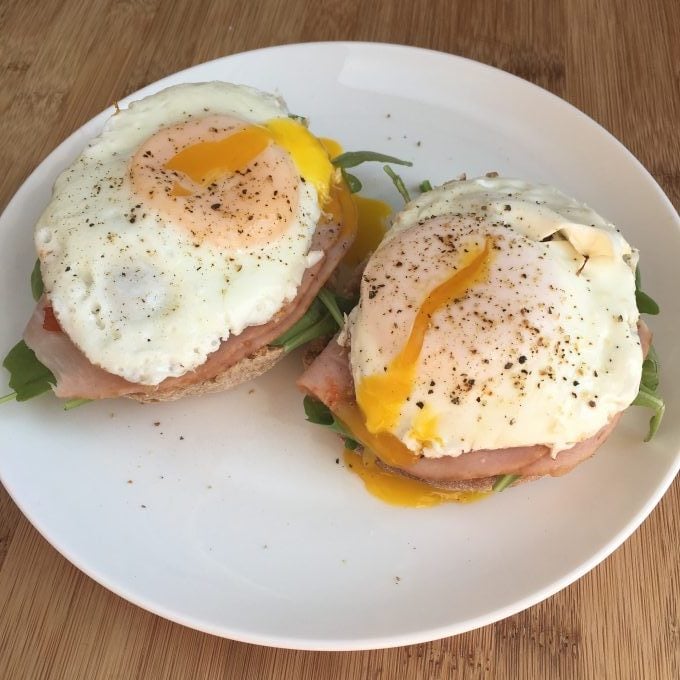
column 329, row 379
column 476, row 464
column 69, row 365
column 78, row 378
column 566, row 460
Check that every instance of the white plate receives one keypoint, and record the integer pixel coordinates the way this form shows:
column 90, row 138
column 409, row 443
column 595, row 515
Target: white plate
column 246, row 527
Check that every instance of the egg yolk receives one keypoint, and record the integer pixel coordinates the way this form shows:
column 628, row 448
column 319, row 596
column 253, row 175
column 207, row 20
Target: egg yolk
column 308, row 153
column 372, row 216
column 384, row 444
column 381, row 396
column 229, row 182
column 424, row 428
column 403, row 491
column 207, row 162
column 333, row 147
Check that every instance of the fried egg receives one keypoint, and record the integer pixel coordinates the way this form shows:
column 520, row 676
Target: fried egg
column 496, row 313
column 187, row 220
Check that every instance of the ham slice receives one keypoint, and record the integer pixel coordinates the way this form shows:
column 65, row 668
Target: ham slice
column 77, row 377
column 329, row 379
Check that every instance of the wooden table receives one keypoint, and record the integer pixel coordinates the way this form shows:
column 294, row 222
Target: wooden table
column 63, row 62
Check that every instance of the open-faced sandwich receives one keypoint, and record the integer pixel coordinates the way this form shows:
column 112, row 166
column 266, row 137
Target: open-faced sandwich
column 186, row 249
column 497, row 339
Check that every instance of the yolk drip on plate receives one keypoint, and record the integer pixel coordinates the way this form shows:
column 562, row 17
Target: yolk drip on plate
column 381, row 396
column 397, row 490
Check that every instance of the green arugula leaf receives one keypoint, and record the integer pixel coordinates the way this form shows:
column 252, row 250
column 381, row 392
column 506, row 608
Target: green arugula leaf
column 649, row 399
column 325, row 326
column 398, row 183
column 647, row 395
column 645, row 304
column 37, row 286
column 75, row 403
column 353, row 183
column 350, row 159
column 650, row 370
column 319, row 414
column 330, row 302
column 504, row 482
column 325, row 316
column 425, row 186
column 310, row 317
column 28, row 377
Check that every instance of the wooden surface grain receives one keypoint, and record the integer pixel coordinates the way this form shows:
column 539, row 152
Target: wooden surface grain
column 63, row 62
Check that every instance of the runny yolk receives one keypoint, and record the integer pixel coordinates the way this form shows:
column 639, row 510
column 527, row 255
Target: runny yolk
column 207, row 161
column 385, row 445
column 179, row 190
column 307, row 151
column 229, row 182
column 341, row 209
column 397, row 490
column 381, row 396
column 424, row 427
column 332, row 147
column 372, row 216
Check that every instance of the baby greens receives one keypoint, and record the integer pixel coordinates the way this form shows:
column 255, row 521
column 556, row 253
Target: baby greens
column 645, row 304
column 319, row 414
column 28, row 377
column 37, row 286
column 353, row 183
column 398, row 183
column 324, row 317
column 648, row 395
column 350, row 159
column 503, row 482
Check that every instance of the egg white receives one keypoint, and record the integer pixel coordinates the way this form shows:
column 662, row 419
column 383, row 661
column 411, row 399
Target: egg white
column 138, row 297
column 539, row 352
